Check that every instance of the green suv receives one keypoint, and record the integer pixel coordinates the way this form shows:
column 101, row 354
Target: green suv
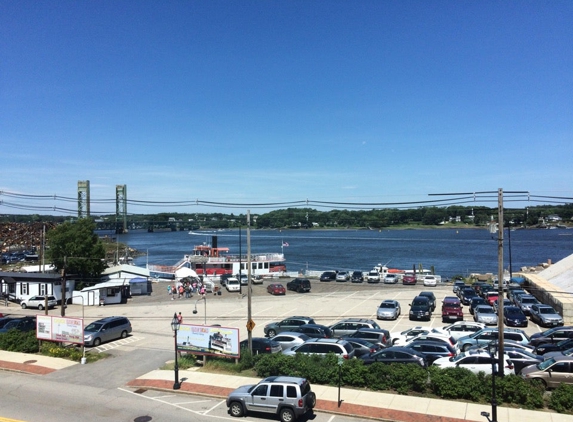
column 287, row 397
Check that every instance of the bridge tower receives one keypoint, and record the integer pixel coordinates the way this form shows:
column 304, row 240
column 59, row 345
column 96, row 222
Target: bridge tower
column 83, row 198
column 121, row 209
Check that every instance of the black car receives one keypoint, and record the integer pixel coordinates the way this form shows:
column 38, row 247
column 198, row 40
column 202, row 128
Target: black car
column 363, row 347
column 475, row 302
column 357, row 277
column 432, row 350
column 395, row 354
column 24, row 324
column 314, row 330
column 553, row 335
column 514, row 317
column 373, row 335
column 467, row 294
column 261, row 345
column 522, row 358
column 431, row 297
column 328, row 276
column 299, row 285
column 420, row 308
column 543, row 348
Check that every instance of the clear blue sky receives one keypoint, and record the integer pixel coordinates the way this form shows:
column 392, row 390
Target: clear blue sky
column 278, row 101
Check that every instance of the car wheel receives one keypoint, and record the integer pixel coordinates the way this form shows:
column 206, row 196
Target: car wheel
column 97, row 342
column 287, row 415
column 236, row 409
column 466, row 347
column 24, row 306
column 123, row 334
column 40, row 307
column 272, row 333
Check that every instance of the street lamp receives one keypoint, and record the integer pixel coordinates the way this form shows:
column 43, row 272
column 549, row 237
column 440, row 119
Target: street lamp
column 195, row 310
column 492, row 349
column 175, row 327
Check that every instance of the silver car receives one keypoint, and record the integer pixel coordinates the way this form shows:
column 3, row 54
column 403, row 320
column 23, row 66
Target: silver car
column 39, row 302
column 288, row 339
column 388, row 309
column 485, row 314
column 545, row 315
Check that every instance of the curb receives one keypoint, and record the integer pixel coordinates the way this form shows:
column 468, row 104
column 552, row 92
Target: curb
column 27, row 367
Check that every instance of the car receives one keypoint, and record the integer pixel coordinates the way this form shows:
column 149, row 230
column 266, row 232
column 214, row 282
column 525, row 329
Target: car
column 545, row 315
column 261, row 345
column 232, row 284
column 525, row 302
column 351, row 325
column 388, row 309
column 39, row 302
column 475, row 361
column 314, row 330
column 420, row 308
column 467, row 294
column 24, row 324
column 409, row 279
column 485, row 289
column 458, row 284
column 475, row 302
column 507, row 343
column 328, row 276
column 287, row 397
column 506, row 302
column 288, row 339
column 551, row 372
column 513, row 295
column 276, row 289
column 430, row 281
column 4, row 321
column 403, row 337
column 244, row 279
column 363, row 347
column 567, row 352
column 553, row 335
column 373, row 277
column 431, row 297
column 452, row 309
column 491, row 297
column 477, row 286
column 287, row 324
column 462, row 328
column 343, row 276
column 543, row 348
column 432, row 350
column 485, row 314
column 514, row 317
column 106, row 329
column 357, row 277
column 521, row 358
column 391, row 278
column 395, row 354
column 299, row 285
column 374, row 335
column 323, row 346
column 487, row 335
column 435, row 335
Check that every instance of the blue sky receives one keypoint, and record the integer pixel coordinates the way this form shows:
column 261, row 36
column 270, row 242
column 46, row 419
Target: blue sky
column 277, row 101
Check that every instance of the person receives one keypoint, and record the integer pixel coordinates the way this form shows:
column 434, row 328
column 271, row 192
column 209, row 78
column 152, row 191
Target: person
column 181, row 291
column 180, row 318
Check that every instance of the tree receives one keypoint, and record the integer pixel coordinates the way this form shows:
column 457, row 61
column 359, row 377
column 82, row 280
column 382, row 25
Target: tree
column 76, row 246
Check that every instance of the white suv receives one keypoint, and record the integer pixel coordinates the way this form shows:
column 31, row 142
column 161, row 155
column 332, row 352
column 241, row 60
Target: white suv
column 475, row 361
column 39, row 302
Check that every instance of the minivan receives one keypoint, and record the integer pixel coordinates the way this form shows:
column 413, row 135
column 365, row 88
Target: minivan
column 106, row 329
column 233, row 285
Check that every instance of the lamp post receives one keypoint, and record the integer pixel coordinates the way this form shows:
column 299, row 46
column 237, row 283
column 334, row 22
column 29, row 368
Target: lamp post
column 175, row 328
column 492, row 349
column 204, row 298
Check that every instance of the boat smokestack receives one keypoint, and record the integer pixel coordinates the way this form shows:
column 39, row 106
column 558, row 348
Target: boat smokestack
column 214, row 241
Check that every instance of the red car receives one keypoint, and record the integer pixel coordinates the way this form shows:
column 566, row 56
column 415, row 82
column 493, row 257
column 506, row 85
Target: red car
column 409, row 279
column 276, row 289
column 491, row 297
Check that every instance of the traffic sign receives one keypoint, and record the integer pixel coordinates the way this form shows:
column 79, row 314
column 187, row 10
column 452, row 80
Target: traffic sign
column 250, row 325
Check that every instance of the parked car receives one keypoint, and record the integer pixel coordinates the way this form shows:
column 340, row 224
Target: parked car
column 299, row 285
column 4, row 321
column 24, row 324
column 507, row 343
column 323, row 346
column 395, row 354
column 315, row 330
column 106, row 329
column 420, row 308
column 233, row 284
column 513, row 295
column 343, row 276
column 39, row 302
column 288, row 339
column 543, row 348
column 430, row 281
column 351, row 325
column 261, row 345
column 431, row 297
column 357, row 277
column 243, row 278
column 521, row 358
column 362, row 347
column 403, row 337
column 475, row 302
column 462, row 328
column 506, row 302
column 514, row 317
column 374, row 335
column 391, row 278
column 452, row 309
column 487, row 335
column 287, row 397
column 525, row 301
column 287, row 324
column 491, row 297
column 276, row 289
column 553, row 335
column 545, row 315
column 388, row 309
column 485, row 314
column 409, row 279
column 467, row 294
column 551, row 372
column 458, row 284
column 373, row 277
column 328, row 276
column 475, row 361
column 432, row 350
column 567, row 352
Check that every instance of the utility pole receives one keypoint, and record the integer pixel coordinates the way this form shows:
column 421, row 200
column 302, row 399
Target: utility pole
column 249, row 313
column 63, row 307
column 500, row 326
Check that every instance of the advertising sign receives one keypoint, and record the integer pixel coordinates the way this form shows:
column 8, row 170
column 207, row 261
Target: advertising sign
column 68, row 330
column 211, row 341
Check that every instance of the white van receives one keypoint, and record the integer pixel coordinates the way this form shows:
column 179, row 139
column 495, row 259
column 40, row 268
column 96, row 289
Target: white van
column 233, row 284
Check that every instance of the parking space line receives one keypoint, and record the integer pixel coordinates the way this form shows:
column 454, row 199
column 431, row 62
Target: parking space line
column 214, row 407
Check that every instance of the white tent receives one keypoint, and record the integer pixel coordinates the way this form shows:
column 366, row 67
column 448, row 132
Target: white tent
column 185, row 272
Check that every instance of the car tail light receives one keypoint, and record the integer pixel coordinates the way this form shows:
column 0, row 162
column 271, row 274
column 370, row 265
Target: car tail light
column 451, row 355
column 384, row 339
column 372, row 350
column 345, row 356
column 300, row 402
column 267, row 348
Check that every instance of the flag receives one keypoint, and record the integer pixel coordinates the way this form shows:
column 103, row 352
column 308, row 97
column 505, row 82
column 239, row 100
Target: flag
column 285, row 244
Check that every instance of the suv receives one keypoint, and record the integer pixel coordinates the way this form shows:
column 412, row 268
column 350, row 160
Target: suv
column 452, row 309
column 357, row 277
column 299, row 285
column 553, row 335
column 351, row 325
column 431, row 297
column 525, row 301
column 287, row 397
column 373, row 276
column 420, row 308
column 545, row 315
column 373, row 335
column 39, row 302
column 551, row 372
column 106, row 329
column 328, row 276
column 288, row 324
column 323, row 346
column 487, row 335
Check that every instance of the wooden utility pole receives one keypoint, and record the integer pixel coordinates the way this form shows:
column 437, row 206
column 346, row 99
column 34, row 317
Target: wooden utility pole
column 63, row 306
column 249, row 313
column 500, row 325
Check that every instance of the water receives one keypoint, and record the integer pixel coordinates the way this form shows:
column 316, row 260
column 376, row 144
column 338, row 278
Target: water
column 449, row 251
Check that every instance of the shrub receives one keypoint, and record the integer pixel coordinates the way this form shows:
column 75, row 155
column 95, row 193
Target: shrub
column 514, row 389
column 562, row 399
column 456, row 383
column 18, row 341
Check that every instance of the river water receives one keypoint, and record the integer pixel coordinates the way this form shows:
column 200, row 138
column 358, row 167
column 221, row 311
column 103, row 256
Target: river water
column 449, row 251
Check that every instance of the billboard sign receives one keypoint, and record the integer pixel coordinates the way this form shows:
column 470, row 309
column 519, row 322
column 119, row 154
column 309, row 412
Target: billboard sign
column 211, row 341
column 52, row 328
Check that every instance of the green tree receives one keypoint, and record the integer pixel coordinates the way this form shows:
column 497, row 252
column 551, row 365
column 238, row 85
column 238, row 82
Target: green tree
column 78, row 248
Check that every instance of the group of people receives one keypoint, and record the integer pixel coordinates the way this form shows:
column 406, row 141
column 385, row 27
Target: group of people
column 186, row 288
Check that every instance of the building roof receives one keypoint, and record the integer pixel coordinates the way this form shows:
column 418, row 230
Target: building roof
column 560, row 274
column 125, row 268
column 106, row 284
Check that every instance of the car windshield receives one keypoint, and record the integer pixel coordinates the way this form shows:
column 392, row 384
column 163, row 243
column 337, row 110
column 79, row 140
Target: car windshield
column 563, row 342
column 387, row 305
column 512, row 311
column 545, row 364
column 94, row 326
column 528, row 300
column 485, row 310
column 546, row 310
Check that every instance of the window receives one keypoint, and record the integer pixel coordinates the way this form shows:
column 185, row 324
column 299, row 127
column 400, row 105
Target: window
column 560, row 367
column 261, row 390
column 277, row 391
column 24, row 288
column 43, row 289
column 291, row 391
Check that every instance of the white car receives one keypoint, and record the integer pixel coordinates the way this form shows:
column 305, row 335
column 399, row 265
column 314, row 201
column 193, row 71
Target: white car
column 430, row 281
column 433, row 335
column 461, row 329
column 391, row 278
column 342, row 276
column 401, row 338
column 373, row 277
column 39, row 302
column 233, row 285
column 474, row 360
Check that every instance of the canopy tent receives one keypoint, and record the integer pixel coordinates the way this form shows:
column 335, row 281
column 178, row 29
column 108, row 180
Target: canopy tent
column 185, row 272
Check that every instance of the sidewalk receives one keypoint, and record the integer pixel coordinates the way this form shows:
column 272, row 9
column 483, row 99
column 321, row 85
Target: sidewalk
column 367, row 404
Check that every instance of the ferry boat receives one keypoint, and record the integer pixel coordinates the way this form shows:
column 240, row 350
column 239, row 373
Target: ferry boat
column 213, row 261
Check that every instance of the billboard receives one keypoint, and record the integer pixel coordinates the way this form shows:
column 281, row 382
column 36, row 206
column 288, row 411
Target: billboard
column 53, row 328
column 205, row 340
